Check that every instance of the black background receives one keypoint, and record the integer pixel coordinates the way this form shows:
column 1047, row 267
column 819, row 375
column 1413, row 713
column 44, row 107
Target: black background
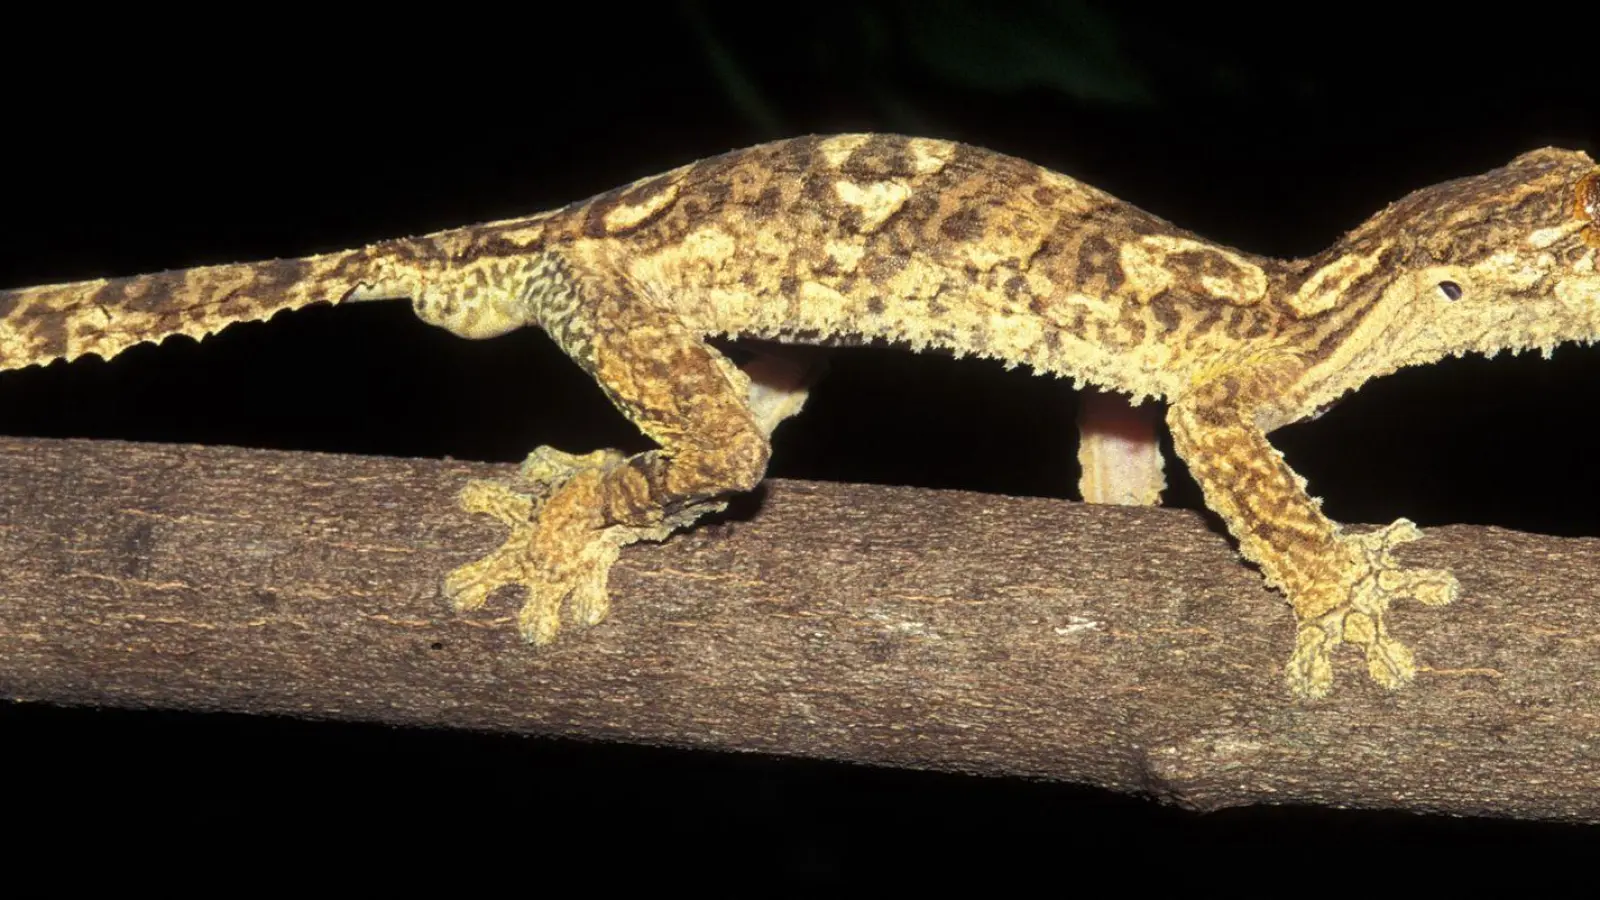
column 149, row 145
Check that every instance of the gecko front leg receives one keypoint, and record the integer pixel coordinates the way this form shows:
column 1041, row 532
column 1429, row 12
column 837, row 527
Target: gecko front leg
column 1340, row 585
column 569, row 515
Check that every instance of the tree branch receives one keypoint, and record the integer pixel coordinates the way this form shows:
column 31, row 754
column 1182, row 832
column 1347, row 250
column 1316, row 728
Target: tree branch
column 1128, row 648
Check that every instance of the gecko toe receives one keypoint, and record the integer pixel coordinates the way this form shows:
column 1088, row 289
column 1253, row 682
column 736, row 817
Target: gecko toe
column 469, row 587
column 1310, row 669
column 539, row 620
column 1390, row 663
column 483, row 496
column 552, row 467
column 1431, row 587
column 466, row 588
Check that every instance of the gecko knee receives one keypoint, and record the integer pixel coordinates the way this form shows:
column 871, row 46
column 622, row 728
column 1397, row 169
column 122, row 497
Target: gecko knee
column 744, row 458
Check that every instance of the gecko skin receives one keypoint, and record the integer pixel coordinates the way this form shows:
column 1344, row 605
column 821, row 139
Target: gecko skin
column 926, row 244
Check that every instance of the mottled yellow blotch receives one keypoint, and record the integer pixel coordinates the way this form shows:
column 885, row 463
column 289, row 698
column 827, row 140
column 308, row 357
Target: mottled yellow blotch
column 1073, row 197
column 876, row 201
column 1155, row 264
column 928, row 156
column 624, row 217
column 1244, row 284
column 1544, row 237
column 710, row 245
column 820, row 305
column 1324, row 289
column 836, row 150
column 845, row 255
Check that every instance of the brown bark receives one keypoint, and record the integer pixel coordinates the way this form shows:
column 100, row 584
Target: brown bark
column 1122, row 647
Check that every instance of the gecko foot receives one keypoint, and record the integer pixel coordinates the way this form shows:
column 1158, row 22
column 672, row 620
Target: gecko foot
column 559, row 551
column 1355, row 613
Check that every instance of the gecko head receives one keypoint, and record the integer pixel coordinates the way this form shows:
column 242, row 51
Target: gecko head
column 1506, row 260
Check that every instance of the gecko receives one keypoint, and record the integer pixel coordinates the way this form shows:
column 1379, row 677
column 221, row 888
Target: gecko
column 928, row 244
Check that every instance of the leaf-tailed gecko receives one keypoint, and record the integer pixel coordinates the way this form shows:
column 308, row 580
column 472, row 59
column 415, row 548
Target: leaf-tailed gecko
column 928, row 244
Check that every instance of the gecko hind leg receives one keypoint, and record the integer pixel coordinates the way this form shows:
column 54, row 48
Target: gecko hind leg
column 571, row 515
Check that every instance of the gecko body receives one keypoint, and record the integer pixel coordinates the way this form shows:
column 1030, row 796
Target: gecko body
column 926, row 244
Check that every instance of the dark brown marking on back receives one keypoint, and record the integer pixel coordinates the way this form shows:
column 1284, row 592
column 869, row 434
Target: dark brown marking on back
column 966, row 224
column 1234, row 327
column 491, row 242
column 769, row 202
column 880, row 267
column 851, row 220
column 1330, row 340
column 711, row 195
column 1097, row 257
column 879, row 158
column 47, row 329
column 1259, row 326
column 1052, row 341
column 977, row 340
column 1130, row 322
column 1164, row 308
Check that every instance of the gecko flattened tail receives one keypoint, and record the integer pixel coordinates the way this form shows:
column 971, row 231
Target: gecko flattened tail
column 104, row 317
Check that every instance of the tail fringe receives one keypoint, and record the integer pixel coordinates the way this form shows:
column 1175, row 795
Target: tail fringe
column 107, row 316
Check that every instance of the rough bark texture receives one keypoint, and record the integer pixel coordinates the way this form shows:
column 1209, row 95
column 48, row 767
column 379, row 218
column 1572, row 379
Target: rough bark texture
column 1123, row 647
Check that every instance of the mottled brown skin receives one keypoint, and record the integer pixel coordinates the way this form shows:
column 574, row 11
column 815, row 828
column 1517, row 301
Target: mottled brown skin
column 924, row 243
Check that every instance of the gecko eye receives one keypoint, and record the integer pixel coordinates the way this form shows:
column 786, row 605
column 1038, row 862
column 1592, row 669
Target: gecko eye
column 1450, row 289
